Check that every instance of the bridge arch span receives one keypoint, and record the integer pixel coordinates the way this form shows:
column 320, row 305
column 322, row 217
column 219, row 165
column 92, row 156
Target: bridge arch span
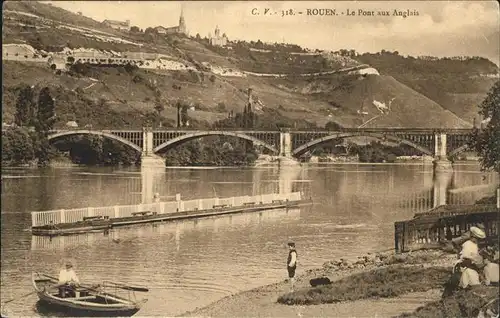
column 194, row 135
column 300, row 150
column 95, row 133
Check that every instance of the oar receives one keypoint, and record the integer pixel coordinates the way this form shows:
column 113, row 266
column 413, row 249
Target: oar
column 127, row 287
column 8, row 301
column 121, row 285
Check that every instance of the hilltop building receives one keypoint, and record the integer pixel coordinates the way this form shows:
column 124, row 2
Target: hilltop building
column 180, row 29
column 118, row 25
column 217, row 39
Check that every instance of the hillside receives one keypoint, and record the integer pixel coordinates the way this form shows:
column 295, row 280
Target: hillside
column 351, row 98
column 458, row 84
column 214, row 80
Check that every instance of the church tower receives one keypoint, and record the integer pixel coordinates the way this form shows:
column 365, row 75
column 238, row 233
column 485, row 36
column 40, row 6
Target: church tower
column 182, row 22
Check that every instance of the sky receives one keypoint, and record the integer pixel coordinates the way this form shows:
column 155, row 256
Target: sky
column 441, row 28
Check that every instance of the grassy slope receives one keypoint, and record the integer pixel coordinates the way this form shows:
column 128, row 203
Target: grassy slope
column 384, row 282
column 297, row 99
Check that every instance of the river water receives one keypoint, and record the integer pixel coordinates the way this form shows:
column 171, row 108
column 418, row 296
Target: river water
column 189, row 264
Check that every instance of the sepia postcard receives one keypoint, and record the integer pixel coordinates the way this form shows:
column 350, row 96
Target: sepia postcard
column 250, row 158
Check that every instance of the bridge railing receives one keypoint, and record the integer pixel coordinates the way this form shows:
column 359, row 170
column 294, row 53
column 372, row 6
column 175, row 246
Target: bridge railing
column 41, row 218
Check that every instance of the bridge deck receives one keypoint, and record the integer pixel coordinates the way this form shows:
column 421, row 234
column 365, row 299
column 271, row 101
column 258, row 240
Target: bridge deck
column 374, row 130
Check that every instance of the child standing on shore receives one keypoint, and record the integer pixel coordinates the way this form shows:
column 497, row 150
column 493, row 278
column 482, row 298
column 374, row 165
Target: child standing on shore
column 291, row 264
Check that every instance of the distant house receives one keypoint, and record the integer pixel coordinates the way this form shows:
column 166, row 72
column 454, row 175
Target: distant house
column 161, row 30
column 72, row 124
column 179, row 29
column 118, row 25
column 171, row 30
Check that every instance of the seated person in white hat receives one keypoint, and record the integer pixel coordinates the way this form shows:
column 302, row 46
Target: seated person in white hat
column 67, row 278
column 458, row 241
column 490, row 270
column 470, row 260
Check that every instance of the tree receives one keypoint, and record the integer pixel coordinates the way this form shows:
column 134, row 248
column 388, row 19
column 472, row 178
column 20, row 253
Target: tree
column 221, row 107
column 331, row 125
column 159, row 107
column 135, row 29
column 25, row 107
column 184, row 115
column 486, row 140
column 46, row 112
column 44, row 123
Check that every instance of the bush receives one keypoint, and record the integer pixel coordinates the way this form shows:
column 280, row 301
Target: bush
column 81, row 69
column 138, row 79
column 221, row 107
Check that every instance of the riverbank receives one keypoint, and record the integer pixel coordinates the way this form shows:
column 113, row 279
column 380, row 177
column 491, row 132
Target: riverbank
column 262, row 301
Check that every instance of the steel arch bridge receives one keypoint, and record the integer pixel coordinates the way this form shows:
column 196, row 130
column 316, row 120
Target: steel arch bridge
column 289, row 143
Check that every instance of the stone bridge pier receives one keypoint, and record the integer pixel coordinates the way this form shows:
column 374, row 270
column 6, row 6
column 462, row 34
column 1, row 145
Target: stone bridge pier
column 148, row 157
column 441, row 162
column 285, row 144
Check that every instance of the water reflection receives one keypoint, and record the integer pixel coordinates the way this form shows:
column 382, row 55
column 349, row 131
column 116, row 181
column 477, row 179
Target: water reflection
column 415, row 187
column 263, row 181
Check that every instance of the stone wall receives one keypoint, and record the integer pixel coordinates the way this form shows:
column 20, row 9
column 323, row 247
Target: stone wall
column 21, row 52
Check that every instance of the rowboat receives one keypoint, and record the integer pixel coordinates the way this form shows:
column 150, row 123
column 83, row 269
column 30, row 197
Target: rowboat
column 88, row 300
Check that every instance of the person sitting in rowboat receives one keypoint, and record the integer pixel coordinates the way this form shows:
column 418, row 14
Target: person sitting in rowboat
column 67, row 281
